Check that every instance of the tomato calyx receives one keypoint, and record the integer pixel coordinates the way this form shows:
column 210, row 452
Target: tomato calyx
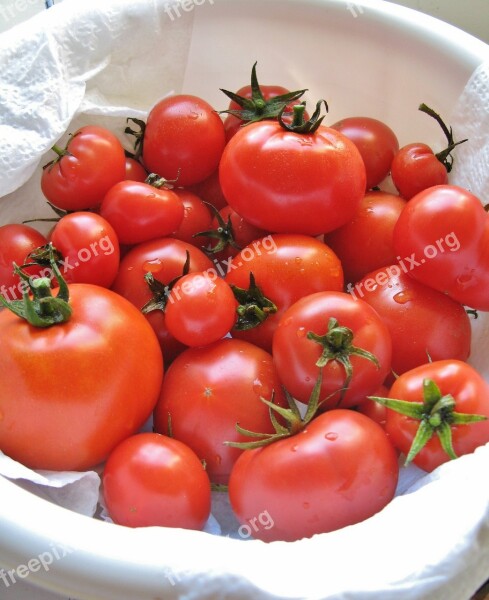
column 299, row 124
column 294, row 421
column 445, row 156
column 337, row 344
column 61, row 152
column 254, row 307
column 224, row 233
column 436, row 415
column 138, row 135
column 158, row 182
column 160, row 293
column 42, row 309
column 257, row 108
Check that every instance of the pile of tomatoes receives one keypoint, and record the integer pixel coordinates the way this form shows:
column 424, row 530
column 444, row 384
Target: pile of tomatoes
column 245, row 280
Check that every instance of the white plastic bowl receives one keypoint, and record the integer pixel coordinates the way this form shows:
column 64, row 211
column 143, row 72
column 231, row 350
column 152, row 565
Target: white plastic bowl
column 369, row 57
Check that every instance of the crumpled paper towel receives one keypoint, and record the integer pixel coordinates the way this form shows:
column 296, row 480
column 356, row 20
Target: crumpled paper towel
column 54, row 79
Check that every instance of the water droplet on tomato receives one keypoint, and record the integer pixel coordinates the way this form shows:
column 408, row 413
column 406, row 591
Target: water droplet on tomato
column 294, row 448
column 301, row 332
column 218, row 459
column 298, row 260
column 153, row 266
column 193, row 115
column 306, row 505
column 308, row 379
column 331, row 436
column 465, row 280
column 287, row 322
column 402, row 297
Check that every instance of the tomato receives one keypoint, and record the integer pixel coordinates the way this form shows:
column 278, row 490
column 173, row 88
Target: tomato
column 201, row 309
column 416, row 168
column 16, row 242
column 366, row 242
column 423, row 323
column 345, row 337
column 376, row 142
column 285, row 268
column 89, row 248
column 339, row 470
column 92, row 162
column 442, row 239
column 135, row 170
column 442, row 398
column 164, row 260
column 207, row 390
column 196, row 218
column 210, row 190
column 291, row 182
column 151, row 480
column 140, row 212
column 374, row 410
column 73, row 390
column 184, row 139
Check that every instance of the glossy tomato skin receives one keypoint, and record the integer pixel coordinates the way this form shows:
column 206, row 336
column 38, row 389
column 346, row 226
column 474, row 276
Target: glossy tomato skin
column 16, row 242
column 366, row 242
column 201, row 309
column 210, row 190
column 445, row 231
column 295, row 355
column 376, row 142
column 196, row 218
column 471, row 394
column 80, row 179
column 164, row 259
column 415, row 168
column 207, row 390
column 140, row 212
column 184, row 138
column 71, row 392
column 151, row 480
column 423, row 323
column 340, row 470
column 286, row 268
column 135, row 170
column 89, row 247
column 292, row 183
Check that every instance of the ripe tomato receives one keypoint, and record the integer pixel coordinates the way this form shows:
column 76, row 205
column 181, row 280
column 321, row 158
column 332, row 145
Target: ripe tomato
column 285, row 268
column 345, row 337
column 416, row 168
column 339, row 470
column 135, row 170
column 201, row 309
column 374, row 410
column 196, row 218
column 290, row 182
column 443, row 232
column 208, row 390
column 366, row 242
column 16, row 242
column 442, row 398
column 210, row 190
column 164, row 259
column 72, row 391
column 151, row 480
column 140, row 212
column 92, row 162
column 423, row 323
column 376, row 142
column 89, row 248
column 184, row 138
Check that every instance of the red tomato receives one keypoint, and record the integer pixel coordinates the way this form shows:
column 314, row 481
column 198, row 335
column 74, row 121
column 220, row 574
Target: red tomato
column 207, row 390
column 443, row 233
column 458, row 389
column 184, row 139
column 284, row 181
column 423, row 323
column 151, row 480
column 89, row 248
column 366, row 242
column 331, row 326
column 72, row 391
column 135, row 170
column 376, row 142
column 196, row 218
column 339, row 470
column 201, row 309
column 92, row 162
column 16, row 242
column 140, row 212
column 210, row 190
column 285, row 268
column 164, row 259
column 374, row 410
column 416, row 168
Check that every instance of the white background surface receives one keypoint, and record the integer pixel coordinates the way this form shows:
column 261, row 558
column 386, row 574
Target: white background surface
column 470, row 15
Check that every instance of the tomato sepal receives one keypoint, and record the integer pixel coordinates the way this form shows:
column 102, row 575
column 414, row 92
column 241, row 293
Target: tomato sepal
column 160, row 293
column 254, row 307
column 299, row 123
